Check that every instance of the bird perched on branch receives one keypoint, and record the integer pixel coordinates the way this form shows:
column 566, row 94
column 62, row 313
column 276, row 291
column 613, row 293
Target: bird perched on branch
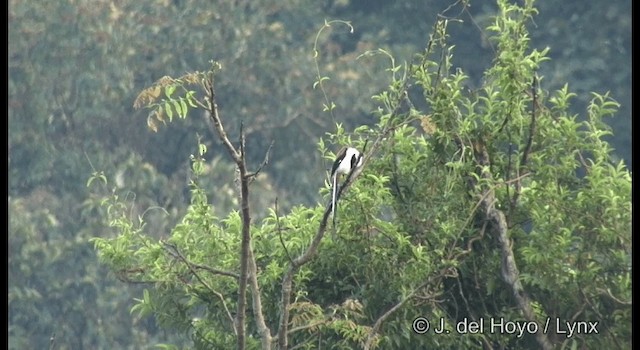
column 347, row 159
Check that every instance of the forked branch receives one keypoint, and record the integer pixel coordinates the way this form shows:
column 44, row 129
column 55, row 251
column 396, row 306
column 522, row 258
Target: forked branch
column 247, row 260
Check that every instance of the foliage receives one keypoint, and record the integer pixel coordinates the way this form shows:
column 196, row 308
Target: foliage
column 415, row 236
column 75, row 66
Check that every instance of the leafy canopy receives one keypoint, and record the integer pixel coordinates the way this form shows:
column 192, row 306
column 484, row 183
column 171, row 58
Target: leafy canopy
column 492, row 203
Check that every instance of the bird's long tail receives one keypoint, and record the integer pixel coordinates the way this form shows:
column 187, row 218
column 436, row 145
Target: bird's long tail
column 334, row 190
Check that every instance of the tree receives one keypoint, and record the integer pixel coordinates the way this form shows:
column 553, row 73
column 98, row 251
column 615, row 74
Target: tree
column 494, row 205
column 74, row 68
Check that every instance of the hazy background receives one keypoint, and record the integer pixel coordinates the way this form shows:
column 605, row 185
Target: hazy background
column 75, row 67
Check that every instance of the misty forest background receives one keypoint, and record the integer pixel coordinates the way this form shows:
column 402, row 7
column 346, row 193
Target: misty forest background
column 76, row 66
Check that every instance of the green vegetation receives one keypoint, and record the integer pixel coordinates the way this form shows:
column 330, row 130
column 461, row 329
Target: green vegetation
column 484, row 194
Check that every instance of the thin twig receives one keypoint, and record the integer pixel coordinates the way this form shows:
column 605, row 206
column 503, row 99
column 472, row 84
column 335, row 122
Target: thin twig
column 263, row 330
column 527, row 148
column 509, row 268
column 307, row 326
column 279, row 230
column 617, row 300
column 244, row 246
column 247, row 259
column 376, row 326
column 487, row 193
column 217, row 123
column 532, row 125
column 263, row 164
column 176, row 253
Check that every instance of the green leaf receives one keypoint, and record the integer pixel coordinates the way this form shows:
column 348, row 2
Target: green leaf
column 184, row 107
column 99, row 176
column 320, row 81
column 169, row 90
column 191, row 99
column 178, row 108
column 169, row 110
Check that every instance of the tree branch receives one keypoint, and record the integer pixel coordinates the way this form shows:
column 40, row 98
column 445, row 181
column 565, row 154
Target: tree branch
column 527, row 147
column 607, row 292
column 312, row 250
column 263, row 164
column 279, row 229
column 248, row 269
column 52, row 341
column 264, row 331
column 176, row 254
column 510, row 272
column 307, row 326
column 244, row 247
column 532, row 126
column 212, row 108
column 378, row 324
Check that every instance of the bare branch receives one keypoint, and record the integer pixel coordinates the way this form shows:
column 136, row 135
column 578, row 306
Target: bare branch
column 246, row 241
column 263, row 164
column 248, row 269
column 217, row 123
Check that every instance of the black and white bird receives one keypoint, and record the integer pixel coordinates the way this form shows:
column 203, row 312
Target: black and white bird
column 347, row 159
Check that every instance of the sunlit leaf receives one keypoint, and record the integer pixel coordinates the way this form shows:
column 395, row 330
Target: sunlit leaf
column 169, row 90
column 168, row 110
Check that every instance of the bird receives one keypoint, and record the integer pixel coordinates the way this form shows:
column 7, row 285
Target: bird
column 347, row 159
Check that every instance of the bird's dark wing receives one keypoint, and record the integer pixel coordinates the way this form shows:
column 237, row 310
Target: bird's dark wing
column 354, row 160
column 339, row 158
